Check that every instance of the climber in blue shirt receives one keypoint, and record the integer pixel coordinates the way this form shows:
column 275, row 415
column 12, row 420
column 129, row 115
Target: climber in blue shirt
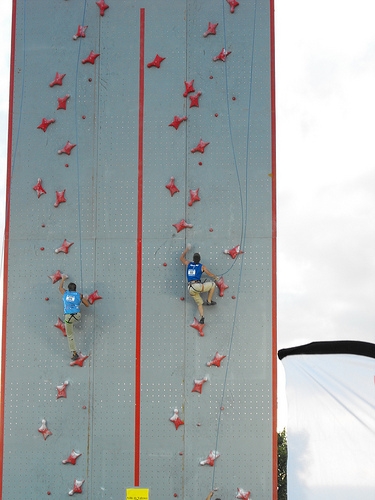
column 194, row 273
column 72, row 312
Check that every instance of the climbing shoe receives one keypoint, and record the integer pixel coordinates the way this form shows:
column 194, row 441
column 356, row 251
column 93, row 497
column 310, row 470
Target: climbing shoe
column 212, row 303
column 201, row 321
column 75, row 356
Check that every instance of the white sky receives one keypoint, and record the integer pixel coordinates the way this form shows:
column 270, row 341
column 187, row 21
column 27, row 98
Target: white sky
column 325, row 85
column 325, row 71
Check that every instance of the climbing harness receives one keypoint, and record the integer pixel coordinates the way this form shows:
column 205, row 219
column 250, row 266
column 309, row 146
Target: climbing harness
column 71, row 316
column 190, row 284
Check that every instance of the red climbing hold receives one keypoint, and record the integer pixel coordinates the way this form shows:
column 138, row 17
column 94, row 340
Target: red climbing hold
column 234, row 252
column 81, row 32
column 177, row 121
column 66, row 149
column 61, row 390
column 242, row 494
column 198, row 384
column 72, row 458
column 222, row 56
column 212, row 456
column 200, row 147
column 102, row 6
column 62, row 102
column 77, row 488
column 198, row 326
column 156, row 62
column 176, row 419
column 193, row 196
column 172, row 187
column 44, row 430
column 60, row 198
column 211, row 30
column 189, row 87
column 61, row 326
column 221, row 286
column 194, row 99
column 93, row 297
column 182, row 225
column 39, row 188
column 217, row 359
column 58, row 79
column 55, row 277
column 79, row 361
column 233, row 4
column 64, row 247
column 45, row 124
column 90, row 58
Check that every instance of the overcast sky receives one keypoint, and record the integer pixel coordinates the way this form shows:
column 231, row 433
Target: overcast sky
column 325, row 84
column 325, row 71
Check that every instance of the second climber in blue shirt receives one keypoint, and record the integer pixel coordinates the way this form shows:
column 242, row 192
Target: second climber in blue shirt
column 72, row 312
column 194, row 273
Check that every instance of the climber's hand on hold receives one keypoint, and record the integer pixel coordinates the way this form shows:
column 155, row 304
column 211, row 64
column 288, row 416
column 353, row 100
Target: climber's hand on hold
column 182, row 256
column 85, row 300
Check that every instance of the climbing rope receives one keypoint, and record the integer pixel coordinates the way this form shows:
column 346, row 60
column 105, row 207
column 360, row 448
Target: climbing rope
column 22, row 87
column 77, row 151
column 243, row 214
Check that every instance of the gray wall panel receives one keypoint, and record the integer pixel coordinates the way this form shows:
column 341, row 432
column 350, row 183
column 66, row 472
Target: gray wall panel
column 233, row 414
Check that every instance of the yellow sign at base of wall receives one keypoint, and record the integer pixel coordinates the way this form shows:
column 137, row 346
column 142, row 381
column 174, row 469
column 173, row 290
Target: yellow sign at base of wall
column 137, row 494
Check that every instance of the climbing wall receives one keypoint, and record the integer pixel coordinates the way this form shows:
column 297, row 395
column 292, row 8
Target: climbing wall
column 137, row 127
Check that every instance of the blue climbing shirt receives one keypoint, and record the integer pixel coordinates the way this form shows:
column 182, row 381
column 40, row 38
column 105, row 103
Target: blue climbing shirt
column 193, row 271
column 71, row 301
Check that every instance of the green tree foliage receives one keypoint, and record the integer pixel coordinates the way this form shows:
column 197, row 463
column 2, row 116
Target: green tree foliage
column 282, row 455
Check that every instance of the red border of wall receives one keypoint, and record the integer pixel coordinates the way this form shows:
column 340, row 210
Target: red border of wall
column 6, row 242
column 274, row 251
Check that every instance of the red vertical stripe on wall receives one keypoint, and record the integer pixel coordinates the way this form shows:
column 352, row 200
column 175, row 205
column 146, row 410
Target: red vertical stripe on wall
column 138, row 316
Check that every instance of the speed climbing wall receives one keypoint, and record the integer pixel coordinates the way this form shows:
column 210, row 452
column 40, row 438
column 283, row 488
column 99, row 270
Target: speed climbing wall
column 137, row 127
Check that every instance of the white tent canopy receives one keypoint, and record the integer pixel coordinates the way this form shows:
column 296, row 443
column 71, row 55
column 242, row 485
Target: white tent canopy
column 330, row 390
